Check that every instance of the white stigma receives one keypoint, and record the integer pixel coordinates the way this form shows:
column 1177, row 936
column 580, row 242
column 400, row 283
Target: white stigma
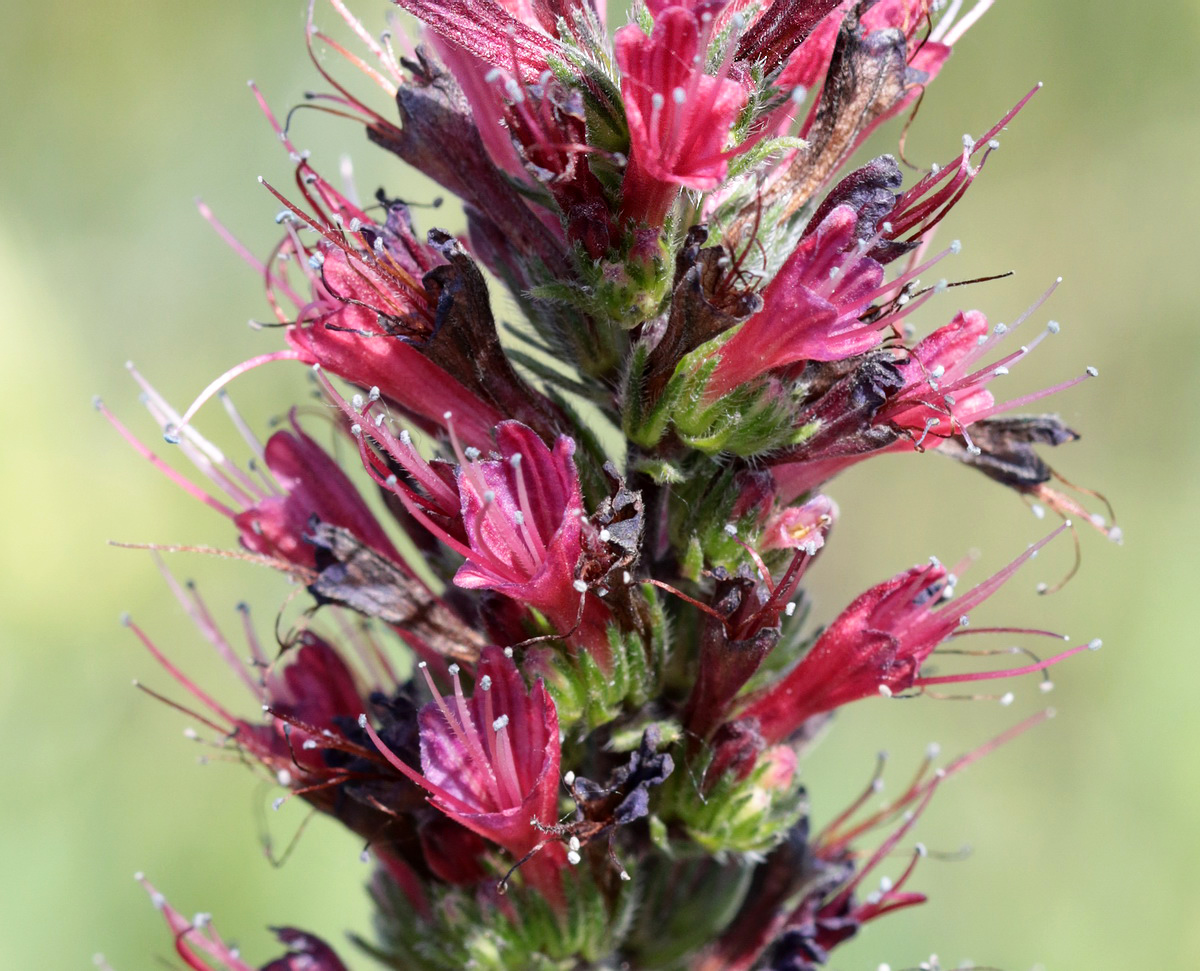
column 885, row 691
column 500, row 723
column 485, row 683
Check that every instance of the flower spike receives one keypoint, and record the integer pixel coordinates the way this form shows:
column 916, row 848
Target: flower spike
column 556, row 668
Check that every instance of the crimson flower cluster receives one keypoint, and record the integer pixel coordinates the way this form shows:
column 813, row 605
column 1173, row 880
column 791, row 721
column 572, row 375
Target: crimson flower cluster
column 552, row 672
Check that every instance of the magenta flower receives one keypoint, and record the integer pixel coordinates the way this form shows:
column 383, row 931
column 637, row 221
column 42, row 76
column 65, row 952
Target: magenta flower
column 512, row 36
column 944, row 392
column 313, row 484
column 491, row 763
column 680, row 118
column 523, row 516
column 198, row 944
column 517, row 518
column 930, row 395
column 273, row 508
column 368, row 310
column 878, row 645
column 802, row 527
column 308, row 699
column 809, row 900
column 811, row 310
column 521, row 512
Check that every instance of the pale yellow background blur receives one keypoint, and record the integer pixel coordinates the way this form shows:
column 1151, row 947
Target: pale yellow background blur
column 1086, row 834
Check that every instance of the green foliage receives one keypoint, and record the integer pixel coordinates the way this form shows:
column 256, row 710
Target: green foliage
column 750, row 420
column 586, row 696
column 684, row 906
column 467, row 930
column 750, row 816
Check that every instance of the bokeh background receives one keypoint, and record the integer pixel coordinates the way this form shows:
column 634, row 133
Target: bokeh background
column 1085, row 834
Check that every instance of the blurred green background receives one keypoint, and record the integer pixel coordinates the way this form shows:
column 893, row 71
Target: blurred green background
column 1085, row 834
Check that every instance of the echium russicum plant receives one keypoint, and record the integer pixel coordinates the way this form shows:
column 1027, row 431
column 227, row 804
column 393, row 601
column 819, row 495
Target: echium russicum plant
column 553, row 673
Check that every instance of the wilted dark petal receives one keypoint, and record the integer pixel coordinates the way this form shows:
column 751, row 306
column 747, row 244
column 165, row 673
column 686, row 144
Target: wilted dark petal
column 841, row 428
column 706, row 302
column 868, row 76
column 871, row 191
column 353, row 575
column 307, row 952
column 781, row 27
column 313, row 485
column 1005, row 448
column 439, row 137
column 465, row 343
column 626, row 796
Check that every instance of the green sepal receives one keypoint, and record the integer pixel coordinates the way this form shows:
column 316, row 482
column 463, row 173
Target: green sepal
column 629, row 735
column 737, row 817
column 762, row 152
column 660, row 470
column 750, row 420
column 462, row 930
column 642, row 426
column 692, row 563
column 586, row 697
